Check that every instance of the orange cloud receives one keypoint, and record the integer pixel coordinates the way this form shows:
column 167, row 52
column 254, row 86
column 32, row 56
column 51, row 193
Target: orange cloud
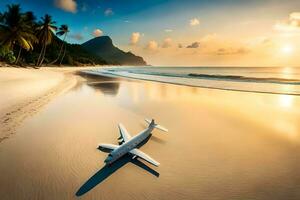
column 76, row 36
column 66, row 5
column 194, row 45
column 231, row 51
column 152, row 45
column 292, row 24
column 167, row 43
column 135, row 37
column 97, row 33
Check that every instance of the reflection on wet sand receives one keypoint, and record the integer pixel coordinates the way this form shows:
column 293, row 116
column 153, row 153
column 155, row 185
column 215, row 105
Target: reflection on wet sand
column 106, row 87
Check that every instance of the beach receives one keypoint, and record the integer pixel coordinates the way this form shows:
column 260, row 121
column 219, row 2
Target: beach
column 24, row 91
column 220, row 145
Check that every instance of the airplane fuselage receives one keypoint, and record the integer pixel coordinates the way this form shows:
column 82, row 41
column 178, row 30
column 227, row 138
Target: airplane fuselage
column 129, row 145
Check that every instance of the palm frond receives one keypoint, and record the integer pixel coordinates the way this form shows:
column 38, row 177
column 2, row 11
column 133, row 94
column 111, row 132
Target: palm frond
column 60, row 33
column 53, row 28
column 63, row 29
column 13, row 16
column 16, row 28
column 22, row 42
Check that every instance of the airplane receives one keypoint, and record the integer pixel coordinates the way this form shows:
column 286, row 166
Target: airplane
column 130, row 144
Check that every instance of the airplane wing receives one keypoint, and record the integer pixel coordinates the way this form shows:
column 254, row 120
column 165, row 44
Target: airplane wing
column 124, row 133
column 107, row 147
column 144, row 156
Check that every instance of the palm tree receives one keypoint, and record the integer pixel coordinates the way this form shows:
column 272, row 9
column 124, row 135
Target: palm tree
column 29, row 20
column 45, row 35
column 66, row 30
column 63, row 30
column 1, row 17
column 14, row 29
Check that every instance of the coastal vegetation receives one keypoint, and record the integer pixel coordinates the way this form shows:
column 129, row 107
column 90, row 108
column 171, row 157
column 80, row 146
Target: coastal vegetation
column 26, row 41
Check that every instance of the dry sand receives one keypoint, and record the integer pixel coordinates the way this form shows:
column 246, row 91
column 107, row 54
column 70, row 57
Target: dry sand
column 23, row 91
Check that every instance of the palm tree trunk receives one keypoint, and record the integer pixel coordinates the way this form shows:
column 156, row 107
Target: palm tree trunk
column 62, row 58
column 39, row 58
column 19, row 54
column 43, row 57
column 60, row 50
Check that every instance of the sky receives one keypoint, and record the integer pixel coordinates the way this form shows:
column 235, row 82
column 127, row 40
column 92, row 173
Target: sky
column 184, row 33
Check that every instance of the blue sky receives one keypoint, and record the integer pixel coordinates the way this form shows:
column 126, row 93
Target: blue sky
column 222, row 29
column 126, row 16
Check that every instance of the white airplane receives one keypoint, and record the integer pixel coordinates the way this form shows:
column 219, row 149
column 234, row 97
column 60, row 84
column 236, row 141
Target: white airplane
column 129, row 144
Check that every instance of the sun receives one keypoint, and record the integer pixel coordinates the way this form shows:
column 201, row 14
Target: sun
column 287, row 49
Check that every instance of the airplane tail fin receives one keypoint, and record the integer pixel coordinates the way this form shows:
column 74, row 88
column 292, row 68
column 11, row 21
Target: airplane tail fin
column 152, row 123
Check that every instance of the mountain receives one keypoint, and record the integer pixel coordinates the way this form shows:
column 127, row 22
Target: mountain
column 75, row 55
column 104, row 48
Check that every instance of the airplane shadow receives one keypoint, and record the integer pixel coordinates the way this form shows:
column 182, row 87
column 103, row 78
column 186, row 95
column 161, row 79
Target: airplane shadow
column 108, row 170
column 158, row 140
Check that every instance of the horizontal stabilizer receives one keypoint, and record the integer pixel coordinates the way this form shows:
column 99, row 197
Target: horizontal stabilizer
column 156, row 125
column 144, row 156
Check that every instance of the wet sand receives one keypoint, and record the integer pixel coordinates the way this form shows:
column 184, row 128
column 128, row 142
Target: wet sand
column 220, row 145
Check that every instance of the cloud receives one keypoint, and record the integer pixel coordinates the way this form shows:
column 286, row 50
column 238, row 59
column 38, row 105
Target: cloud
column 152, row 45
column 209, row 38
column 135, row 37
column 231, row 51
column 216, row 45
column 295, row 16
column 67, row 5
column 194, row 22
column 168, row 30
column 292, row 24
column 76, row 36
column 97, row 33
column 267, row 42
column 167, row 43
column 108, row 12
column 194, row 45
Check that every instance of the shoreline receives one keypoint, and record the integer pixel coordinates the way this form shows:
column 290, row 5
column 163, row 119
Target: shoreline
column 182, row 83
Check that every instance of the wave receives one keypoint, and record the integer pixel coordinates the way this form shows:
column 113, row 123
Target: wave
column 218, row 77
column 246, row 79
